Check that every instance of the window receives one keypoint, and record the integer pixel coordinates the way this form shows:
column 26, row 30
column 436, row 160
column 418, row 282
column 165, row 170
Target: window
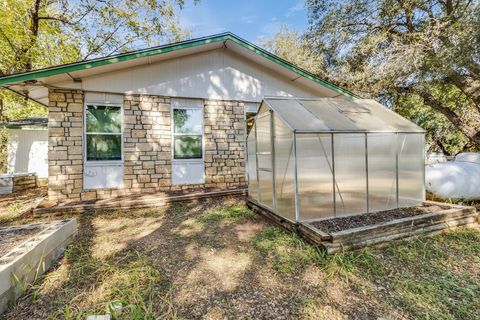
column 249, row 120
column 187, row 133
column 103, row 133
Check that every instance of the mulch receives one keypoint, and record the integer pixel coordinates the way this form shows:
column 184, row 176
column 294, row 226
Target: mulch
column 12, row 238
column 367, row 219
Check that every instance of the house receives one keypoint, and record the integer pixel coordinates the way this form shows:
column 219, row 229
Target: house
column 27, row 146
column 168, row 118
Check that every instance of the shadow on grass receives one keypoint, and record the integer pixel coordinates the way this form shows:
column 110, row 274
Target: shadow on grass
column 215, row 258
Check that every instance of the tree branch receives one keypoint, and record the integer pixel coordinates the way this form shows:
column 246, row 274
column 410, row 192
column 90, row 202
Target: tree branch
column 8, row 40
column 60, row 19
column 105, row 40
column 428, row 99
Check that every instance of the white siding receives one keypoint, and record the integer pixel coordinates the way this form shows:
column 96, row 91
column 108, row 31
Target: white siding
column 28, row 152
column 216, row 74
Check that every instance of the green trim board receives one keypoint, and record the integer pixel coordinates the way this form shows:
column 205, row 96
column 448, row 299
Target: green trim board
column 88, row 64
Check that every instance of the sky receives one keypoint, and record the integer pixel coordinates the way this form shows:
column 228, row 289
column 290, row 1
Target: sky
column 249, row 19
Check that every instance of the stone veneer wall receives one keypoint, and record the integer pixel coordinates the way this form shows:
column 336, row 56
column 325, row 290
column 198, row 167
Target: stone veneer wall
column 147, row 143
column 65, row 162
column 147, row 146
column 224, row 144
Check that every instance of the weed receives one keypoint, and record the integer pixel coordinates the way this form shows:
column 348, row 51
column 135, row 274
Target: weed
column 16, row 207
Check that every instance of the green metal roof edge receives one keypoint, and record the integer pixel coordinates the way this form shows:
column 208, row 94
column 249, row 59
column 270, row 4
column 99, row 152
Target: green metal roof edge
column 88, row 64
column 291, row 66
column 82, row 65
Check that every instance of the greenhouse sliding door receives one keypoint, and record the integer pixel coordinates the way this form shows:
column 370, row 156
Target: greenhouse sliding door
column 315, row 176
column 382, row 171
column 350, row 174
column 252, row 164
column 284, row 170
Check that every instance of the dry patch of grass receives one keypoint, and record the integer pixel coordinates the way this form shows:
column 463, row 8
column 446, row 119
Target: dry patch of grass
column 12, row 205
column 90, row 277
column 216, row 259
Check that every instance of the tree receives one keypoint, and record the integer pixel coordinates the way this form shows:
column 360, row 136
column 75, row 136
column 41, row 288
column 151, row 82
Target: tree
column 42, row 33
column 292, row 46
column 418, row 50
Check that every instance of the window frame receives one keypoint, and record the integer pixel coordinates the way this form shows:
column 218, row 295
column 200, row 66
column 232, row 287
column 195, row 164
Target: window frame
column 85, row 133
column 174, row 134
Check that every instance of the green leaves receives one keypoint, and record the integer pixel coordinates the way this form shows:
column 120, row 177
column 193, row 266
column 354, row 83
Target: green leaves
column 423, row 55
column 36, row 34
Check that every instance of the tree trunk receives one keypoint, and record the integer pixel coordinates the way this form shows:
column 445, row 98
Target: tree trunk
column 25, row 54
column 471, row 133
column 442, row 147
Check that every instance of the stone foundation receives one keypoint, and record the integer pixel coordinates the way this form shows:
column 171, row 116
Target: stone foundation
column 147, row 146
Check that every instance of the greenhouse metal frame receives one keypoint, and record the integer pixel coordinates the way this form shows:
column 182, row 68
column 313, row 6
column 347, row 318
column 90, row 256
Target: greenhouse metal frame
column 313, row 159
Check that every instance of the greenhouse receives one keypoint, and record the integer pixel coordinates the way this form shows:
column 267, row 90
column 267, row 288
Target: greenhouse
column 312, row 159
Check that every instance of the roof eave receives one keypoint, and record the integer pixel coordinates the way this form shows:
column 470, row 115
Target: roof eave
column 82, row 65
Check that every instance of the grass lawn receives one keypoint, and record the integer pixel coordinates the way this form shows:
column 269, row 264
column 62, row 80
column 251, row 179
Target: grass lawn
column 216, row 259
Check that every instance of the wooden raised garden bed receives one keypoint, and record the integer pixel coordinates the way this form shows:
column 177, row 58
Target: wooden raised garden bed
column 379, row 228
column 382, row 227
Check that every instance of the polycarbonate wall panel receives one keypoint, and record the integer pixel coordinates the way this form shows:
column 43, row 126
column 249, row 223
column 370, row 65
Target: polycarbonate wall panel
column 266, row 188
column 411, row 166
column 315, row 179
column 382, row 176
column 252, row 165
column 284, row 170
column 350, row 174
column 264, row 156
column 264, row 161
column 263, row 134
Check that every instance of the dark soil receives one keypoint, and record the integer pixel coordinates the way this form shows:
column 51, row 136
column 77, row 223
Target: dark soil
column 367, row 219
column 12, row 238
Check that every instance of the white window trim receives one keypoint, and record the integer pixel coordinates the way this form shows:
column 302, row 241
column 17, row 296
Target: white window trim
column 84, row 135
column 192, row 104
column 173, row 134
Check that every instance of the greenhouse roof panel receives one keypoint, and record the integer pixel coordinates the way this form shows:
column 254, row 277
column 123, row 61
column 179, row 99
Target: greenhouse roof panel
column 295, row 115
column 339, row 115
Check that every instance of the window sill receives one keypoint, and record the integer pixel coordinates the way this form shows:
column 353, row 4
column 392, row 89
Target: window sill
column 103, row 163
column 187, row 160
